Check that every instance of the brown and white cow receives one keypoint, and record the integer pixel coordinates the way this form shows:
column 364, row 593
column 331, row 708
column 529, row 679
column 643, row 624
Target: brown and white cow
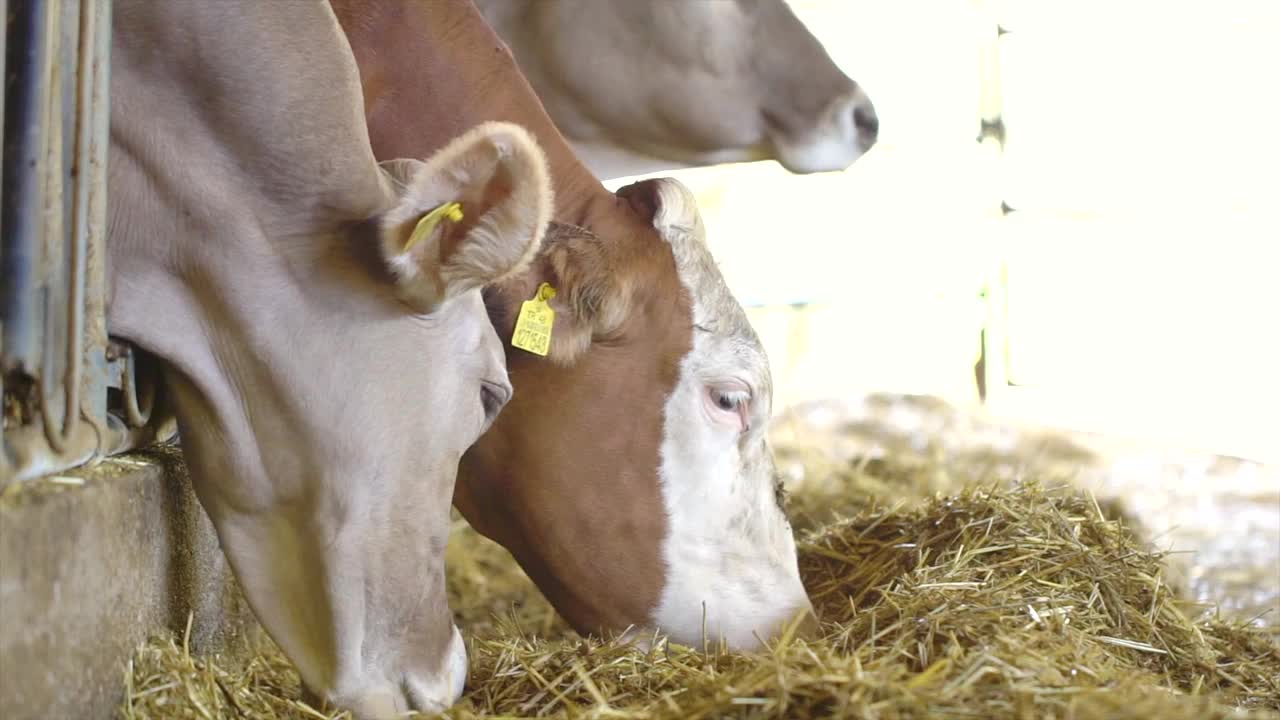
column 644, row 86
column 631, row 474
column 327, row 376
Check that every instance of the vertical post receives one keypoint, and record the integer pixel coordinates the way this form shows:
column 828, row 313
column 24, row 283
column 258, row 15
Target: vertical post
column 990, row 371
column 93, row 142
column 26, row 62
column 53, row 333
column 4, row 49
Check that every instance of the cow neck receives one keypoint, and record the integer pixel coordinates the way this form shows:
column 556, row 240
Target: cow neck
column 458, row 75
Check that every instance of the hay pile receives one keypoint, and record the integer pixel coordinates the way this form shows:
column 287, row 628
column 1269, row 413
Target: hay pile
column 992, row 602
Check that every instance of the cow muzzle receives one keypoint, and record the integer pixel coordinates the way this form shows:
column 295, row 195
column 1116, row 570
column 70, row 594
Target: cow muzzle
column 420, row 691
column 845, row 131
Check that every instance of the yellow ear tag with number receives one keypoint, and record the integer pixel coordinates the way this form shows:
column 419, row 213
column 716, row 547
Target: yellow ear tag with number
column 533, row 325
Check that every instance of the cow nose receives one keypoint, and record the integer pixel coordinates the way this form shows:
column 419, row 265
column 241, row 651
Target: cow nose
column 867, row 123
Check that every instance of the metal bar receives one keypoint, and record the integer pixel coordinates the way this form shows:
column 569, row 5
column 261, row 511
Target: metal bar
column 58, row 171
column 26, row 63
column 4, row 34
column 136, row 414
column 53, row 332
column 94, row 78
column 4, row 49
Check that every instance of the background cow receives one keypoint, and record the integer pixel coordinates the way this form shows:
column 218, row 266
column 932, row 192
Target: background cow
column 645, row 86
column 630, row 475
column 258, row 250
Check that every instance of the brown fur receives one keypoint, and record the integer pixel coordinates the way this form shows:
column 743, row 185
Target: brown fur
column 567, row 478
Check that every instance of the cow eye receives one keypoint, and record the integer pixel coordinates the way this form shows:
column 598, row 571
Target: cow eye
column 729, row 403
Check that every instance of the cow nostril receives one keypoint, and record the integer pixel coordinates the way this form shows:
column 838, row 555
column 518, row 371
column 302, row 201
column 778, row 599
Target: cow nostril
column 864, row 118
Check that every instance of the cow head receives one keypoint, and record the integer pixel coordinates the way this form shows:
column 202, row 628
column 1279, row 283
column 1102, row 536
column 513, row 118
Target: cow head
column 697, row 83
column 320, row 324
column 631, row 475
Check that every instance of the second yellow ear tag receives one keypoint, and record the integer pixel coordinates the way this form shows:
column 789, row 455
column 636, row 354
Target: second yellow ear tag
column 533, row 325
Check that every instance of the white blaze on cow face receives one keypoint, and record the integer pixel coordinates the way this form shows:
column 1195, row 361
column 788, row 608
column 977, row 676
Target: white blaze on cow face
column 729, row 551
column 640, row 87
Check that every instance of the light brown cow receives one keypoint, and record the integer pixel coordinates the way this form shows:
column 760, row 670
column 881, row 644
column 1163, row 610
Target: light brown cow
column 631, row 474
column 327, row 373
column 644, row 86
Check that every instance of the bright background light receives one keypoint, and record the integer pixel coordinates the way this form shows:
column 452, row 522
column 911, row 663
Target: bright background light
column 1135, row 290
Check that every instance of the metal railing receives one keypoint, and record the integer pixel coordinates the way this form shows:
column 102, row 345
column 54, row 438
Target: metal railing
column 59, row 371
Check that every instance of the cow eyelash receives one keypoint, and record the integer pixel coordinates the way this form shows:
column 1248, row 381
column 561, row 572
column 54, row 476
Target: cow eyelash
column 729, row 400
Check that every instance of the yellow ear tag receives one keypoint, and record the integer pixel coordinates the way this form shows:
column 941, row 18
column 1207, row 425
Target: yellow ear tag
column 451, row 210
column 533, row 325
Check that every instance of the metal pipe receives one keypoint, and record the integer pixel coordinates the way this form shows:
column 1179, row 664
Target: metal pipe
column 52, row 248
column 26, row 62
column 95, row 41
column 135, row 416
column 58, row 437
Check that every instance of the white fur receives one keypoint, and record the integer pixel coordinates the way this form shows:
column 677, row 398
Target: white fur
column 729, row 552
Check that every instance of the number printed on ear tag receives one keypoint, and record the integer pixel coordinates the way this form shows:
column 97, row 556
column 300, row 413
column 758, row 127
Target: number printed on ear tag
column 533, row 325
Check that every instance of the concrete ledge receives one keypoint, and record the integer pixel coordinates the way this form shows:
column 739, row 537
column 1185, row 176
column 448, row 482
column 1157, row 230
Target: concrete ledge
column 91, row 563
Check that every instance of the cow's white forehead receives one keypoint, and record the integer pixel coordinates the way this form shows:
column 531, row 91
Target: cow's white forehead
column 717, row 315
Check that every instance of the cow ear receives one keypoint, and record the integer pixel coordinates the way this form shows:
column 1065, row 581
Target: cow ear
column 596, row 284
column 594, row 289
column 471, row 215
column 668, row 205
